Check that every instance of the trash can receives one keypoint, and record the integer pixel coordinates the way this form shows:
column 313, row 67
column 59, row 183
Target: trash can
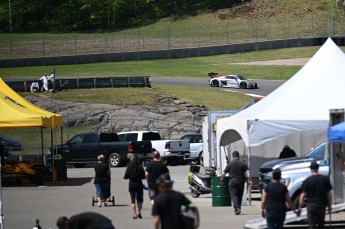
column 220, row 192
column 60, row 167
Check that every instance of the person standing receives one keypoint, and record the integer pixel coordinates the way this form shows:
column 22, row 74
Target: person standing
column 102, row 180
column 135, row 173
column 166, row 210
column 44, row 79
column 154, row 169
column 287, row 152
column 238, row 174
column 273, row 206
column 317, row 188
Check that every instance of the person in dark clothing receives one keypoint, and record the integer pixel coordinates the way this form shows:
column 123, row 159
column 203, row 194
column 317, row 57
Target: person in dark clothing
column 238, row 174
column 154, row 169
column 287, row 152
column 102, row 180
column 317, row 188
column 166, row 209
column 273, row 206
column 135, row 173
column 89, row 220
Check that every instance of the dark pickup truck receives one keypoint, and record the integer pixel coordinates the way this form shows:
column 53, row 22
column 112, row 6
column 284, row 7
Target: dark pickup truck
column 83, row 148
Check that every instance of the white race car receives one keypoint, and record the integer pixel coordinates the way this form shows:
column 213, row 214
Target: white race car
column 235, row 81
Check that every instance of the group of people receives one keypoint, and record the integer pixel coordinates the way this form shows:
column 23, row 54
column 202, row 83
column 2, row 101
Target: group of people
column 160, row 189
column 166, row 202
column 43, row 84
column 316, row 189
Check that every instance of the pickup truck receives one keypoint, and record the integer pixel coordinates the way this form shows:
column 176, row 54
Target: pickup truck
column 172, row 151
column 84, row 148
column 196, row 147
column 295, row 170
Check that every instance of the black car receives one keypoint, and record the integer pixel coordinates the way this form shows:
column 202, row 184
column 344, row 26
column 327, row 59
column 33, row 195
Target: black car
column 10, row 144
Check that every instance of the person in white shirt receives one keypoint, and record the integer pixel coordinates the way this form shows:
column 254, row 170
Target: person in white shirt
column 44, row 79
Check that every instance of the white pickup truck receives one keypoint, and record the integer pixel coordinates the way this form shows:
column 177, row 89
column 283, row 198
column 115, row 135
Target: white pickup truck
column 172, row 151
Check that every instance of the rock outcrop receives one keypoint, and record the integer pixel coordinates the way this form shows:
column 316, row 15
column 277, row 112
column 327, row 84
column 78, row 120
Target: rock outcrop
column 171, row 117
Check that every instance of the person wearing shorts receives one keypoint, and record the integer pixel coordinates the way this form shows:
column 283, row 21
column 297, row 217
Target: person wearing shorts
column 135, row 173
column 102, row 180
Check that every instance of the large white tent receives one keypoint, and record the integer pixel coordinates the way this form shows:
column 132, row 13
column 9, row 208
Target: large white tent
column 300, row 105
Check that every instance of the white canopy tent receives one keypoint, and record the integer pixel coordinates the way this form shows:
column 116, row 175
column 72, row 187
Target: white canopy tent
column 299, row 108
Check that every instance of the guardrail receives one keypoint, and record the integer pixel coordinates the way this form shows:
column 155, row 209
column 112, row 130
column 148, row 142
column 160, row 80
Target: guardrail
column 84, row 83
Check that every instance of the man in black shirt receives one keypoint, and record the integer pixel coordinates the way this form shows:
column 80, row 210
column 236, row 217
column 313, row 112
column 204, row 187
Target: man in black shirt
column 317, row 188
column 238, row 173
column 166, row 209
column 153, row 170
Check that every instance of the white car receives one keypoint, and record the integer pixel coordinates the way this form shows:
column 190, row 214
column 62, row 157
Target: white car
column 235, row 81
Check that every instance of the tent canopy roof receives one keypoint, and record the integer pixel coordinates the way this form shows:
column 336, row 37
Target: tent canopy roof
column 301, row 103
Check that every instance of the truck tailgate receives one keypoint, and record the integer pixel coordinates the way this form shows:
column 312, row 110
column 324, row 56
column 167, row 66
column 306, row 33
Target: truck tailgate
column 179, row 145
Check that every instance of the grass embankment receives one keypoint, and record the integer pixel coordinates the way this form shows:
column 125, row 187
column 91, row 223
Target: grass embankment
column 180, row 67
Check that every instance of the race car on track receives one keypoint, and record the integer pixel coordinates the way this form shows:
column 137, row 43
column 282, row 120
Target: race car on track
column 230, row 80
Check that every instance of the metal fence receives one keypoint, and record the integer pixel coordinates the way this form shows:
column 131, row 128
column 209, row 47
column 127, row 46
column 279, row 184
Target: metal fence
column 170, row 37
column 84, row 83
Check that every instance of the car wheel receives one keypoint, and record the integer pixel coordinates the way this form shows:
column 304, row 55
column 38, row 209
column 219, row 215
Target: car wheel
column 201, row 159
column 215, row 83
column 115, row 160
column 243, row 85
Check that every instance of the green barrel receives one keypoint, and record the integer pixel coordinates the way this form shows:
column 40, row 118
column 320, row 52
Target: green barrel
column 220, row 192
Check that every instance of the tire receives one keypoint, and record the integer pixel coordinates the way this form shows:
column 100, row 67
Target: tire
column 79, row 165
column 215, row 83
column 243, row 85
column 115, row 160
column 194, row 194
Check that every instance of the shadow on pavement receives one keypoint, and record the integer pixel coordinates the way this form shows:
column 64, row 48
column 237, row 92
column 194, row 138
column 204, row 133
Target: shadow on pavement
column 76, row 181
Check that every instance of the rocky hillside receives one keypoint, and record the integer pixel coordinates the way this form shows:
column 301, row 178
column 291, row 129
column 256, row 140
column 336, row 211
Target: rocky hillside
column 172, row 117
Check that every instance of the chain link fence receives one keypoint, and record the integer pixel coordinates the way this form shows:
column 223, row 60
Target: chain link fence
column 170, row 37
column 36, row 142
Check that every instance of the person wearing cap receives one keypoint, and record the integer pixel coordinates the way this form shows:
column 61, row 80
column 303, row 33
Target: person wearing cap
column 273, row 200
column 317, row 189
column 238, row 174
column 154, row 169
column 166, row 210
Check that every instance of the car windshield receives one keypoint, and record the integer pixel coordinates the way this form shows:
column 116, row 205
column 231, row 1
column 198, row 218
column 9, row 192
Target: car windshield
column 318, row 152
column 241, row 77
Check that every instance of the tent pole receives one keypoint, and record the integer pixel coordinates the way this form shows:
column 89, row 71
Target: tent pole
column 1, row 212
column 42, row 141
